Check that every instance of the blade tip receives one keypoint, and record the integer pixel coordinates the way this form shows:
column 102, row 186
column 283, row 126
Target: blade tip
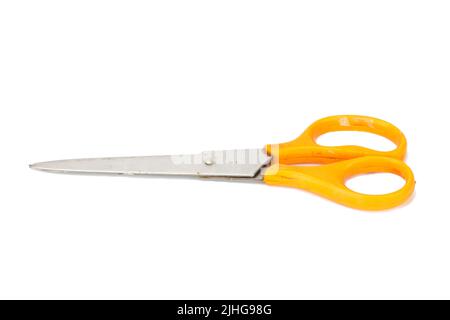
column 35, row 166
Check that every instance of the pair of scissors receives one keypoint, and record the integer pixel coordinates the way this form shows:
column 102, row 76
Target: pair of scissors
column 278, row 164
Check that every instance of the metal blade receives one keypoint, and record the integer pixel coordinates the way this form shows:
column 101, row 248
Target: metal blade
column 227, row 164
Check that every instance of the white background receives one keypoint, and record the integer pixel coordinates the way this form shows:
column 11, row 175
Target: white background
column 113, row 78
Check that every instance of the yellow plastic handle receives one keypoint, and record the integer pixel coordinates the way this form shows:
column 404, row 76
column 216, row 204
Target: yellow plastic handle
column 341, row 163
column 329, row 181
column 304, row 149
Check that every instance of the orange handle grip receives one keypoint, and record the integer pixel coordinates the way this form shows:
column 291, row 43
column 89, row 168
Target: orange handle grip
column 329, row 181
column 341, row 163
column 304, row 149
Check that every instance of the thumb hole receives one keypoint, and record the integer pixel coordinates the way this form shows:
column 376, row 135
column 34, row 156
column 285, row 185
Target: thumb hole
column 356, row 138
column 375, row 183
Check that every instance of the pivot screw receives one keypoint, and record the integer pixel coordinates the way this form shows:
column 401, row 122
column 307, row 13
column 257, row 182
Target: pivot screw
column 208, row 159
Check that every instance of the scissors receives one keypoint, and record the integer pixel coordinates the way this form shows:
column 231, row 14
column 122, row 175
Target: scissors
column 278, row 164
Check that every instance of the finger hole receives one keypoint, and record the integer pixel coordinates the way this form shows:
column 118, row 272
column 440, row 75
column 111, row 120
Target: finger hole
column 356, row 138
column 375, row 183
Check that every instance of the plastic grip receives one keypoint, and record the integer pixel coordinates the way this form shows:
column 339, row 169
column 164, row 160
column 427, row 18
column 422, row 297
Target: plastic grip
column 304, row 149
column 341, row 163
column 329, row 181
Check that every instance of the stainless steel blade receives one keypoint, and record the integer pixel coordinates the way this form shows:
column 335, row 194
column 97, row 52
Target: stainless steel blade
column 210, row 164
